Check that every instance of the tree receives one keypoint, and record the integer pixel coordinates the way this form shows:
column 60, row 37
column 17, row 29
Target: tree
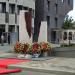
column 68, row 23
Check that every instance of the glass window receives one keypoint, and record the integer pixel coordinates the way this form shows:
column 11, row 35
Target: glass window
column 25, row 8
column 56, row 21
column 30, row 9
column 12, row 8
column 70, row 36
column 15, row 18
column 19, row 7
column 65, row 36
column 48, row 2
column 48, row 21
column 11, row 28
column 68, row 1
column 2, row 7
column 56, row 8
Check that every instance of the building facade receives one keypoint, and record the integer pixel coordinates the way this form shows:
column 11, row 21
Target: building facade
column 9, row 16
column 68, row 36
column 54, row 12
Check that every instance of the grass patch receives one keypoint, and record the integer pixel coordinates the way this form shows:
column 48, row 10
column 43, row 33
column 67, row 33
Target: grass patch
column 67, row 45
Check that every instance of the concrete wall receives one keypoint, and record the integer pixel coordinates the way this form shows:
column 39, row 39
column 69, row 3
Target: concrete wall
column 2, row 18
column 12, row 19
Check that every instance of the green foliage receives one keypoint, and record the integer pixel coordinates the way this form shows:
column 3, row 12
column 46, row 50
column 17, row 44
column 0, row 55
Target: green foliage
column 68, row 23
column 67, row 45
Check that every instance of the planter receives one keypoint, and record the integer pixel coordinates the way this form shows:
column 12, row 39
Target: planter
column 45, row 54
column 20, row 55
column 28, row 56
column 36, row 55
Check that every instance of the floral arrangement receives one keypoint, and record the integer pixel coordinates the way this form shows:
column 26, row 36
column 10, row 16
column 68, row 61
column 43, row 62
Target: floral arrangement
column 26, row 48
column 45, row 46
column 19, row 47
column 33, row 48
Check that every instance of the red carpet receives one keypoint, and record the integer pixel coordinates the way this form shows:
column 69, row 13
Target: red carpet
column 9, row 61
column 7, row 71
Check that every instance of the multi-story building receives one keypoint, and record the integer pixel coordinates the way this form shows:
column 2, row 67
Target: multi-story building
column 54, row 12
column 9, row 15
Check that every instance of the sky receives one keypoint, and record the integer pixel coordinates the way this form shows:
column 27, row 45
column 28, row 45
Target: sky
column 72, row 13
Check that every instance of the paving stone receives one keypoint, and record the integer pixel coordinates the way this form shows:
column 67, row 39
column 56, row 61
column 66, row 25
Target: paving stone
column 55, row 65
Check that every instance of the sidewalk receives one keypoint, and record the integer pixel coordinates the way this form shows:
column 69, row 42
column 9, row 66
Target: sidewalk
column 6, row 48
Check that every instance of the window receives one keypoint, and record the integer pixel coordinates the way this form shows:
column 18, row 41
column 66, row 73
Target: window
column 15, row 18
column 48, row 20
column 30, row 9
column 56, row 21
column 19, row 7
column 56, row 8
column 2, row 7
column 12, row 8
column 11, row 28
column 2, row 28
column 25, row 8
column 70, row 36
column 68, row 1
column 65, row 36
column 48, row 2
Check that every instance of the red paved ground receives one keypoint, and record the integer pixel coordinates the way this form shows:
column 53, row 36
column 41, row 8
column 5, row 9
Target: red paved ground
column 9, row 61
column 7, row 71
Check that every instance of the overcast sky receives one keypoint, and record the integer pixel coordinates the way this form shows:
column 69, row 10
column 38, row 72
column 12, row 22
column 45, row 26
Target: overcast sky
column 72, row 13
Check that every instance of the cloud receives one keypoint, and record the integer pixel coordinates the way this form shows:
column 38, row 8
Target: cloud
column 72, row 14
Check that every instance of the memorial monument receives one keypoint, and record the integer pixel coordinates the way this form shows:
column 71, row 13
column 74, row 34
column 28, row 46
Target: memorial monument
column 25, row 27
column 43, row 32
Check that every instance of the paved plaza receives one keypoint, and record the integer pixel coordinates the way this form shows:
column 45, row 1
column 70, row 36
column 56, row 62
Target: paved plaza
column 42, row 66
column 6, row 47
column 50, row 66
column 58, row 66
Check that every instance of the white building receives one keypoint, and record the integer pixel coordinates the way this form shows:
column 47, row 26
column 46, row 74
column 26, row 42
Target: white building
column 67, row 35
column 9, row 15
